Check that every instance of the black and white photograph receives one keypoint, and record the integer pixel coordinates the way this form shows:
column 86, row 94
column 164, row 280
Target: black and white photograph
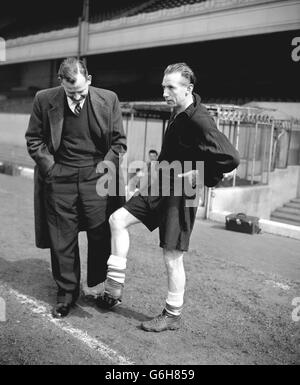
column 150, row 185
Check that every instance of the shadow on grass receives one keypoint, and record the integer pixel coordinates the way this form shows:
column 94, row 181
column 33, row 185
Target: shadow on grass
column 87, row 301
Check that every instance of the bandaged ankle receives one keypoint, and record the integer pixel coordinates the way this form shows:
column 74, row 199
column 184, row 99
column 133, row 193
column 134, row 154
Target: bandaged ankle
column 174, row 303
column 116, row 267
column 113, row 288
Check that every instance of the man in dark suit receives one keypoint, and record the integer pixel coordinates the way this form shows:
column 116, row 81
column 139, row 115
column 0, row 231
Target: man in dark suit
column 73, row 129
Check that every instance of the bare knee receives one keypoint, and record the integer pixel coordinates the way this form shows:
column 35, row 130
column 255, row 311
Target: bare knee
column 118, row 220
column 122, row 219
column 115, row 221
column 173, row 259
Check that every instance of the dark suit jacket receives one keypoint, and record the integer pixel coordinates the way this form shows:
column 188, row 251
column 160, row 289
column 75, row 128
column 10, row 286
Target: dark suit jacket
column 193, row 136
column 43, row 138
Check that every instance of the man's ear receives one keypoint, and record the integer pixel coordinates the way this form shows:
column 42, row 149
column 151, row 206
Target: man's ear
column 190, row 87
column 89, row 79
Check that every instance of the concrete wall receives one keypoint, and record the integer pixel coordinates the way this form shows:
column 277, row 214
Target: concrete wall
column 284, row 185
column 12, row 128
column 140, row 138
column 41, row 74
column 294, row 153
column 259, row 200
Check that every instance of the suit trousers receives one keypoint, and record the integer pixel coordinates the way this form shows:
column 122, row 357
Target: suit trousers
column 72, row 203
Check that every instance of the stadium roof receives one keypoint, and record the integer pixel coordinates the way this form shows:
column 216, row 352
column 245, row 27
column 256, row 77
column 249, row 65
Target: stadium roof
column 21, row 18
column 34, row 30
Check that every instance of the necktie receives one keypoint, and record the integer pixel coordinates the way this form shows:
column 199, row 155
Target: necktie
column 77, row 109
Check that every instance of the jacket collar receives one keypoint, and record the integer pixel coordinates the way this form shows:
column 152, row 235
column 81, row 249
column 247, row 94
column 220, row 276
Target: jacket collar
column 58, row 97
column 56, row 112
column 189, row 111
column 192, row 107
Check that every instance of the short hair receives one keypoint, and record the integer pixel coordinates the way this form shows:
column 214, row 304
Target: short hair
column 152, row 152
column 183, row 69
column 70, row 68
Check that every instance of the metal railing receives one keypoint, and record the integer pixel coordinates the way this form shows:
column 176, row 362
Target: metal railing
column 263, row 143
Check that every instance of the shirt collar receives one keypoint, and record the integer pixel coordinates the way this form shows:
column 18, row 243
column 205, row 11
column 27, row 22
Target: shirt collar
column 72, row 104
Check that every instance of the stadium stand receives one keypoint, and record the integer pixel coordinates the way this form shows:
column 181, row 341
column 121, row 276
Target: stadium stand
column 165, row 4
column 15, row 30
column 100, row 12
column 16, row 25
column 247, row 62
column 19, row 19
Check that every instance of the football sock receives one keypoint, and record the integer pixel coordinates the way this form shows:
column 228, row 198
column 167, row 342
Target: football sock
column 116, row 267
column 174, row 303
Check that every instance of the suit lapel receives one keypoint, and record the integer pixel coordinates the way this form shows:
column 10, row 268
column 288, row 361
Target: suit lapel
column 100, row 110
column 56, row 117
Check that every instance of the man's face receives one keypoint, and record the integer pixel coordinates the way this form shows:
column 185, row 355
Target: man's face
column 176, row 89
column 78, row 90
column 152, row 156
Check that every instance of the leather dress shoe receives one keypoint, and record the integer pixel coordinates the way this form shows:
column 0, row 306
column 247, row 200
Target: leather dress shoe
column 64, row 303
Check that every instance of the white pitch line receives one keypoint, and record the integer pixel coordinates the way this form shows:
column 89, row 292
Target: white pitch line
column 278, row 284
column 93, row 343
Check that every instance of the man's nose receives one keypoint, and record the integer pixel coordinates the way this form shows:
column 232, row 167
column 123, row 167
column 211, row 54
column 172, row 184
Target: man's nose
column 76, row 97
column 165, row 93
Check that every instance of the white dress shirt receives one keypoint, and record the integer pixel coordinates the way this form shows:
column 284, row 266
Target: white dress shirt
column 73, row 104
